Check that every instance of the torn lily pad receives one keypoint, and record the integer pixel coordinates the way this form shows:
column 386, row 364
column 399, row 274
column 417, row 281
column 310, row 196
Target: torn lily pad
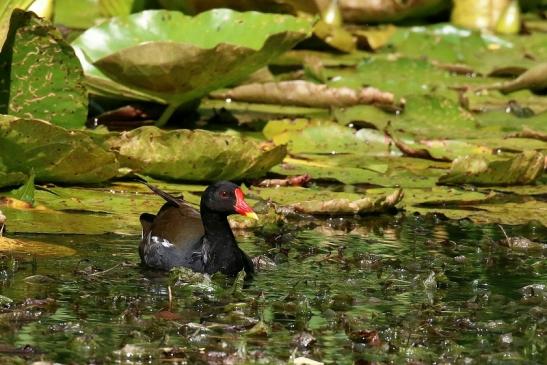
column 346, row 206
column 521, row 169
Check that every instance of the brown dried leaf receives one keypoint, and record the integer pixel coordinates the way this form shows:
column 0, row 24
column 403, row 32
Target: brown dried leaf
column 304, row 93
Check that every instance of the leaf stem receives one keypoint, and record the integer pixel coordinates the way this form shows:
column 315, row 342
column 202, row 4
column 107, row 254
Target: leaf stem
column 167, row 113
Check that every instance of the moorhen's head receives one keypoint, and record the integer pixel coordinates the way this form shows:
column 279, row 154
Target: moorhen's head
column 226, row 197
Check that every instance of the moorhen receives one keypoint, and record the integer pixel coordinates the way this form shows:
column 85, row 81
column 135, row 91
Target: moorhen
column 203, row 241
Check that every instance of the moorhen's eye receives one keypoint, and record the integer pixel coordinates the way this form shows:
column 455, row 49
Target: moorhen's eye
column 224, row 194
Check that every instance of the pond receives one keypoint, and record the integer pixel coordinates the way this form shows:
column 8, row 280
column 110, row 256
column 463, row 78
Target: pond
column 388, row 289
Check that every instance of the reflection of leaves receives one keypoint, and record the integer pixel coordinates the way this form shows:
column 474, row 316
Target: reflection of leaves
column 42, row 78
column 55, row 154
column 522, row 169
column 194, row 155
column 34, row 247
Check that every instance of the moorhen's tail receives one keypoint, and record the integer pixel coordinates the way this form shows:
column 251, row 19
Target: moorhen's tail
column 176, row 201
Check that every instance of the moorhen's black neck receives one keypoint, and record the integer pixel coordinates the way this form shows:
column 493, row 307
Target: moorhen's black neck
column 217, row 228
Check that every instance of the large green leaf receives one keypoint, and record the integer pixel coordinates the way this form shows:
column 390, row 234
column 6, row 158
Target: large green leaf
column 169, row 56
column 55, row 154
column 194, row 155
column 41, row 77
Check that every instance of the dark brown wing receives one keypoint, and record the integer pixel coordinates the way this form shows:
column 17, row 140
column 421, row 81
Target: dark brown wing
column 180, row 225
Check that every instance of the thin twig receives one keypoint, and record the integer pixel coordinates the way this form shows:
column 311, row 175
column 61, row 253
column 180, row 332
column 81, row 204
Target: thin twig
column 170, row 296
column 104, row 271
column 505, row 234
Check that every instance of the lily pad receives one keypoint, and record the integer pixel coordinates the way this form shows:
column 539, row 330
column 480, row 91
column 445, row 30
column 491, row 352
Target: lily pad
column 194, row 155
column 315, row 136
column 483, row 52
column 177, row 58
column 522, row 169
column 424, row 116
column 535, row 79
column 55, row 154
column 250, row 112
column 41, row 77
column 479, row 207
column 357, row 169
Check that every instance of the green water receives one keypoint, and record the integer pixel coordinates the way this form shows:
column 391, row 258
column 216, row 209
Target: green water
column 386, row 289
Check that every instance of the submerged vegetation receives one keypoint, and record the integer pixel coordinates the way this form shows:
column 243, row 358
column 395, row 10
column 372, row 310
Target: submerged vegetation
column 395, row 156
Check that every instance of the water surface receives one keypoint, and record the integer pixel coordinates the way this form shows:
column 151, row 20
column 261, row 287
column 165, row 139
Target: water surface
column 386, row 289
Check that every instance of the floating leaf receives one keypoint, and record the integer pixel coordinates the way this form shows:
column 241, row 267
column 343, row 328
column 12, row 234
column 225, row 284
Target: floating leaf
column 178, row 59
column 41, row 78
column 424, row 116
column 388, row 172
column 304, row 93
column 194, row 155
column 481, row 207
column 251, row 112
column 483, row 52
column 55, row 154
column 522, row 169
column 313, row 136
column 345, row 206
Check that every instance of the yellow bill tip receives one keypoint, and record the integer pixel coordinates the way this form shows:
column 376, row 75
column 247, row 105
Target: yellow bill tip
column 251, row 215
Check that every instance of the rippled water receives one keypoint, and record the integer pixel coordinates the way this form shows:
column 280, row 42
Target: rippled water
column 382, row 289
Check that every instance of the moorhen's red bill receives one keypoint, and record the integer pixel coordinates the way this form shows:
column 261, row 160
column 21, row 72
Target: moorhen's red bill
column 203, row 241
